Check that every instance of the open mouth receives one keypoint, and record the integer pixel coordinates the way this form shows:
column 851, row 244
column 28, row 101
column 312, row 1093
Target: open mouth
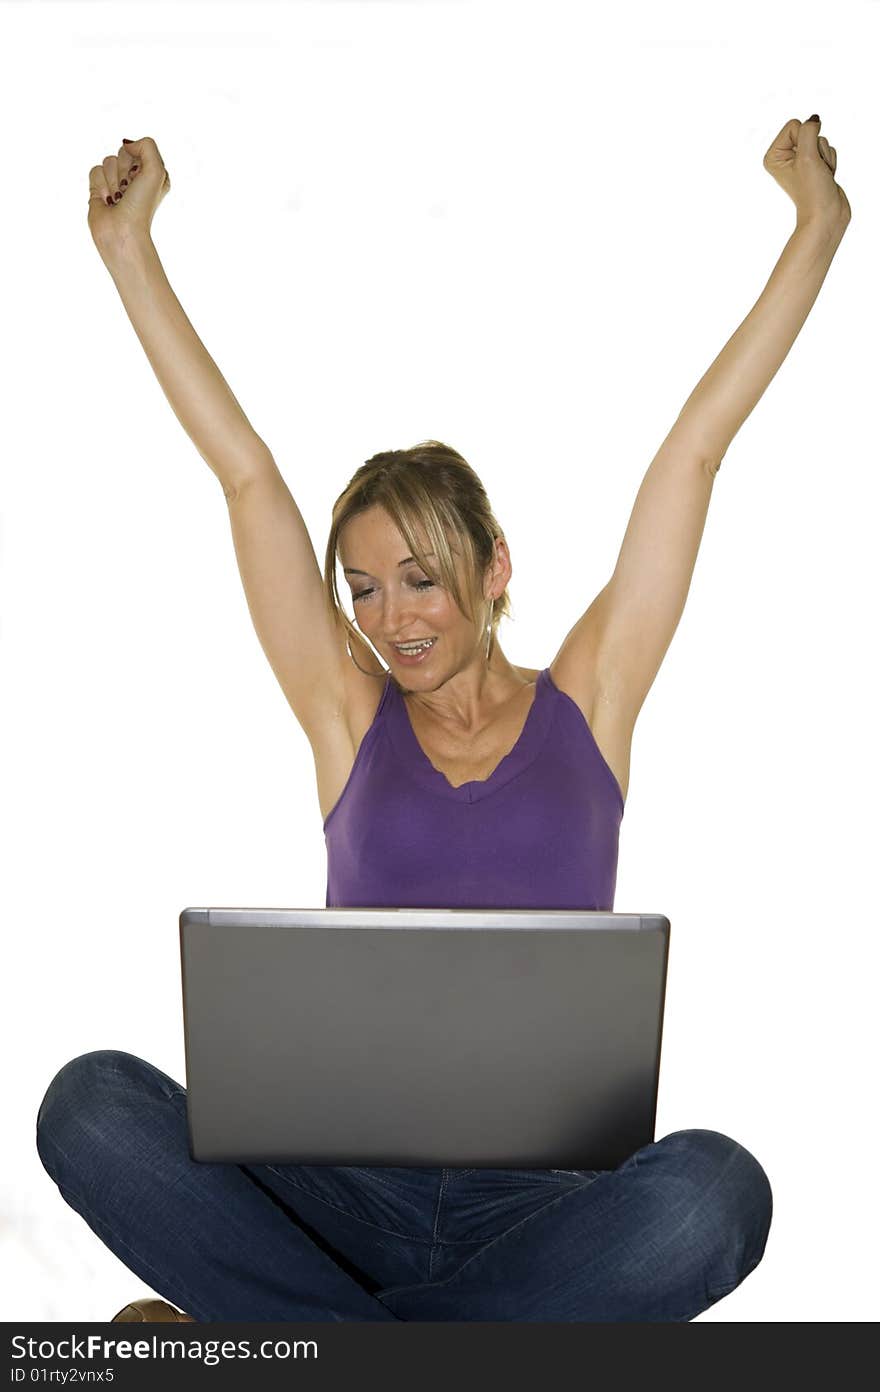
column 409, row 654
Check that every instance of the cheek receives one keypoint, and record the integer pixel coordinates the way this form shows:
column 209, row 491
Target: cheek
column 440, row 606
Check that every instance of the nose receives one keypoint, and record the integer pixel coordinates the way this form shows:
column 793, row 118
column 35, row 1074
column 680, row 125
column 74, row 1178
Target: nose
column 395, row 614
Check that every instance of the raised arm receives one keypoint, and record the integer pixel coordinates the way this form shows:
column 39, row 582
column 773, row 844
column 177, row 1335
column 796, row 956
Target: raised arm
column 625, row 632
column 193, row 384
column 276, row 560
column 803, row 164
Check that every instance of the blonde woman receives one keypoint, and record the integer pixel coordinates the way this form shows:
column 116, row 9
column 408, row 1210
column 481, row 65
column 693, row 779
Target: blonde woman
column 446, row 775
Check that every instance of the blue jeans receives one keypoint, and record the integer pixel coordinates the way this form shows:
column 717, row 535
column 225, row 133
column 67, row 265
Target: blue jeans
column 673, row 1229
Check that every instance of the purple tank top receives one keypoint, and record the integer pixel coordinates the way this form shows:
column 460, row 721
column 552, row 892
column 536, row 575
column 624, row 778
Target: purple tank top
column 540, row 833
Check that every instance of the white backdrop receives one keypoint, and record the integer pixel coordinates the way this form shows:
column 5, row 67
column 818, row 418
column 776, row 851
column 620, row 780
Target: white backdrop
column 525, row 229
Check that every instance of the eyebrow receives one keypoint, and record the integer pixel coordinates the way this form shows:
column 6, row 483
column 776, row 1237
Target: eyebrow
column 350, row 570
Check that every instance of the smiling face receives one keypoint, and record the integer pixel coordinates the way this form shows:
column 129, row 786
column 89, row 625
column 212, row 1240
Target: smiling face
column 394, row 601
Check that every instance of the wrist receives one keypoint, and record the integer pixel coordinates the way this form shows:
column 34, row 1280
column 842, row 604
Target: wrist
column 824, row 227
column 125, row 249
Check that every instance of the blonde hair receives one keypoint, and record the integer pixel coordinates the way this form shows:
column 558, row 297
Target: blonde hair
column 428, row 488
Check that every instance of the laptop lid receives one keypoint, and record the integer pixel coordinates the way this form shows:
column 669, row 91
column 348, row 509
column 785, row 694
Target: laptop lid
column 422, row 1037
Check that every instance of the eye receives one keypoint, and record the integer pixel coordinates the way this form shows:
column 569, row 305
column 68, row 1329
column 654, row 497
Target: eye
column 420, row 585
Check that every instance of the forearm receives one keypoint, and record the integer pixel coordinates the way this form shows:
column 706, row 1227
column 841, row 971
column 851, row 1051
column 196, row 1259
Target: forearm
column 747, row 364
column 188, row 375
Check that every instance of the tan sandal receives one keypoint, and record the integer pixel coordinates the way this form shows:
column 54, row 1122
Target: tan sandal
column 152, row 1311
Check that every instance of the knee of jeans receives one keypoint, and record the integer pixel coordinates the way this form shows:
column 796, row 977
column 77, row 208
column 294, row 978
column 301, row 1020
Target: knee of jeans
column 77, row 1088
column 744, row 1191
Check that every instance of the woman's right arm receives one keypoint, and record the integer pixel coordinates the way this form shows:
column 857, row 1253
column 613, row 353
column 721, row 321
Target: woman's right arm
column 283, row 584
column 133, row 182
column 191, row 380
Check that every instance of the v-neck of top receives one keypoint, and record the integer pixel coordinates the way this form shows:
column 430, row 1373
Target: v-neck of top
column 523, row 753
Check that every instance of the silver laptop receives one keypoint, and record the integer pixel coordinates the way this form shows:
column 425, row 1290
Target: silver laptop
column 522, row 1038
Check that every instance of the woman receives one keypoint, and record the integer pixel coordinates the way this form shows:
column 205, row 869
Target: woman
column 431, row 775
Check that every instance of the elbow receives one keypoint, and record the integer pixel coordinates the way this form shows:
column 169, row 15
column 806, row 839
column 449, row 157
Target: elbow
column 711, row 466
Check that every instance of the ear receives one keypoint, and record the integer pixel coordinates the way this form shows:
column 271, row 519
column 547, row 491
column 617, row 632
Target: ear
column 500, row 571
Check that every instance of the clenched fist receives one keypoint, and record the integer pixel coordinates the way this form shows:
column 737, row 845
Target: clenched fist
column 803, row 165
column 124, row 192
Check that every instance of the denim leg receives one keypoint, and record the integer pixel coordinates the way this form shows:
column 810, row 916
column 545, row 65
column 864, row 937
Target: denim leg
column 214, row 1239
column 674, row 1228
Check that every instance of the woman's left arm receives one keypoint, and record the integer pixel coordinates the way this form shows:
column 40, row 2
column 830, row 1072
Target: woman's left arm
column 625, row 633
column 747, row 364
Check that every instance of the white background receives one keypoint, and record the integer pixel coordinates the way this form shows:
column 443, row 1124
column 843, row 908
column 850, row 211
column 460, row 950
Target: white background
column 526, row 230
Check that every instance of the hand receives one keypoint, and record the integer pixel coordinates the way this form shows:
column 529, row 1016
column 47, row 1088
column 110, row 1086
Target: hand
column 803, row 165
column 141, row 190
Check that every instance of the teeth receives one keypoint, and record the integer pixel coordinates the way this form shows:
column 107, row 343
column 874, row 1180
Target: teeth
column 414, row 647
